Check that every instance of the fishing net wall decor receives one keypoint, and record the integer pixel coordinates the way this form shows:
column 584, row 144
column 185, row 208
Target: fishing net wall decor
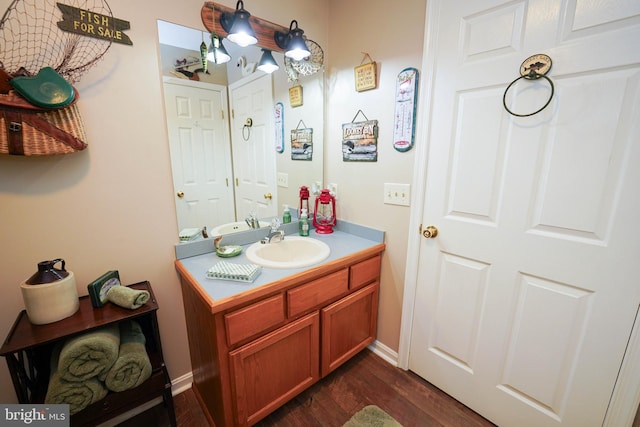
column 30, row 39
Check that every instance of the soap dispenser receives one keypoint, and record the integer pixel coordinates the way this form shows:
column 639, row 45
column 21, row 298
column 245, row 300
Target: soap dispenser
column 303, row 223
column 286, row 216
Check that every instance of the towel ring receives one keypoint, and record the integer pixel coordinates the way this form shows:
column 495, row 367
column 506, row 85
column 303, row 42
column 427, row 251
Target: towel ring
column 247, row 127
column 529, row 71
column 531, row 76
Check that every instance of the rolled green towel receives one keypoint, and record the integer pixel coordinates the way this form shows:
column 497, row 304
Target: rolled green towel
column 132, row 367
column 90, row 354
column 77, row 394
column 127, row 297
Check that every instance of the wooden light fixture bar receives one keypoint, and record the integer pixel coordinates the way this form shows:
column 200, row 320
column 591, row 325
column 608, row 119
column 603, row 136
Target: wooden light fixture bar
column 210, row 14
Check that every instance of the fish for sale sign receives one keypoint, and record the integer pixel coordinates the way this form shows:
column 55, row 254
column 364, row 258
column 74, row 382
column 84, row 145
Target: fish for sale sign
column 91, row 24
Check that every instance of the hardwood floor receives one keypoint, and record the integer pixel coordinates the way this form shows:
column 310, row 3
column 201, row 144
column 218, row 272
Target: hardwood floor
column 364, row 380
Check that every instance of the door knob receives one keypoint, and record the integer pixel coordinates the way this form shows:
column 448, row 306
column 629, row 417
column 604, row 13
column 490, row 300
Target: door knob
column 268, row 196
column 430, row 232
column 180, row 194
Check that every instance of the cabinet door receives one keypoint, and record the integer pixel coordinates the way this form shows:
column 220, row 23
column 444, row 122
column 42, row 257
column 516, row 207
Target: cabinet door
column 348, row 326
column 271, row 370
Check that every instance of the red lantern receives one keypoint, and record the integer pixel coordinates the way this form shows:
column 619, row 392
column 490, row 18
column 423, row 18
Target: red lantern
column 304, row 201
column 324, row 217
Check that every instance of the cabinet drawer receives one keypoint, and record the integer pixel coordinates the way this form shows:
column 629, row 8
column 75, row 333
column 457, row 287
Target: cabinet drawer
column 254, row 319
column 364, row 272
column 317, row 292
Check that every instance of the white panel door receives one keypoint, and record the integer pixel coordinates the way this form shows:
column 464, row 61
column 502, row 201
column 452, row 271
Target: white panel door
column 525, row 300
column 200, row 153
column 254, row 161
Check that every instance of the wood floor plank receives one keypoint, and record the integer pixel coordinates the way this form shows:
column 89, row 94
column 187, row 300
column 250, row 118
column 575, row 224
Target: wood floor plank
column 364, row 380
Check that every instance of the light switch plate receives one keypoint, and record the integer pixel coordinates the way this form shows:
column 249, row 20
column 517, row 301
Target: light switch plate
column 397, row 194
column 283, row 180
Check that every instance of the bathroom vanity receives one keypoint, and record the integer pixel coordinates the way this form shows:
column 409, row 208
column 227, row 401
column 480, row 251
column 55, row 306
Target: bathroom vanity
column 256, row 346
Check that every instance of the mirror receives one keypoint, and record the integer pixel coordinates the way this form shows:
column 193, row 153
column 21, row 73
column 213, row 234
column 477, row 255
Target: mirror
column 220, row 168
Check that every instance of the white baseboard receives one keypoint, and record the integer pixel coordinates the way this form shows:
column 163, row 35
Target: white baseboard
column 182, row 383
column 384, row 352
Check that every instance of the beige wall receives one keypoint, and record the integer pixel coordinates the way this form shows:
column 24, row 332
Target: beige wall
column 392, row 35
column 111, row 206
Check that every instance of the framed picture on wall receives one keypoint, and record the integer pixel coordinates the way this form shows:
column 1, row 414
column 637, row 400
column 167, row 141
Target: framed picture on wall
column 360, row 141
column 295, row 96
column 302, row 144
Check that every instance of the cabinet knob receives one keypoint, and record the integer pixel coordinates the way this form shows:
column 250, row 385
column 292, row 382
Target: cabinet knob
column 180, row 194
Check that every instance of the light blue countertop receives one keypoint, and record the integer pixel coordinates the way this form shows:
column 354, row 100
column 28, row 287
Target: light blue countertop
column 342, row 243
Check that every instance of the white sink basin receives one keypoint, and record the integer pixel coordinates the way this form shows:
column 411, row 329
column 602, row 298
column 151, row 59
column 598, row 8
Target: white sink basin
column 292, row 252
column 234, row 227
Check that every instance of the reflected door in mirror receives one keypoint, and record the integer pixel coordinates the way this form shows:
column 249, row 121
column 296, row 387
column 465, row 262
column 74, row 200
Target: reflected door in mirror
column 200, row 153
column 254, row 162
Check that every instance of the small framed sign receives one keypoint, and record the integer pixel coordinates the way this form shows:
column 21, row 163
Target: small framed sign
column 366, row 76
column 360, row 140
column 295, row 96
column 302, row 143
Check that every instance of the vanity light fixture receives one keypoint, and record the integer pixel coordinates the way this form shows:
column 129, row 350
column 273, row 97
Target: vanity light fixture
column 217, row 53
column 267, row 63
column 238, row 26
column 292, row 42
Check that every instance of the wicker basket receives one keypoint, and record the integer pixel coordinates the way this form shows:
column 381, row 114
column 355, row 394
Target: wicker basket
column 27, row 130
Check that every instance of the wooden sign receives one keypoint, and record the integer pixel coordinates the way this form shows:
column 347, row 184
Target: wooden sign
column 91, row 24
column 302, row 144
column 295, row 96
column 366, row 77
column 360, row 141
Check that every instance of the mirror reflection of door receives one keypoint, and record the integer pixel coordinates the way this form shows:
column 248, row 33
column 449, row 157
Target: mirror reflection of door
column 178, row 44
column 200, row 153
column 253, row 146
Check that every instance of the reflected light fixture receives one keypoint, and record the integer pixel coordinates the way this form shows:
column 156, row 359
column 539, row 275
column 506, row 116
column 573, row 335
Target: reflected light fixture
column 267, row 63
column 292, row 42
column 217, row 53
column 238, row 26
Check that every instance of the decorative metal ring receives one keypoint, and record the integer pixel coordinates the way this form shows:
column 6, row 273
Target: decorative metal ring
column 248, row 133
column 531, row 76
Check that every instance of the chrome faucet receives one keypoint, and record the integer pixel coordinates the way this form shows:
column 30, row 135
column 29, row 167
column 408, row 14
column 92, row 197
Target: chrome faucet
column 252, row 220
column 275, row 235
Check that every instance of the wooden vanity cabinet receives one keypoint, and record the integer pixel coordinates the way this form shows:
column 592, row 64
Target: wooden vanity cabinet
column 348, row 326
column 269, row 371
column 253, row 352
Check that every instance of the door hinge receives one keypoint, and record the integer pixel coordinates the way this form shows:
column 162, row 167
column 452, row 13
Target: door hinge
column 222, row 114
column 233, row 114
column 236, row 182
